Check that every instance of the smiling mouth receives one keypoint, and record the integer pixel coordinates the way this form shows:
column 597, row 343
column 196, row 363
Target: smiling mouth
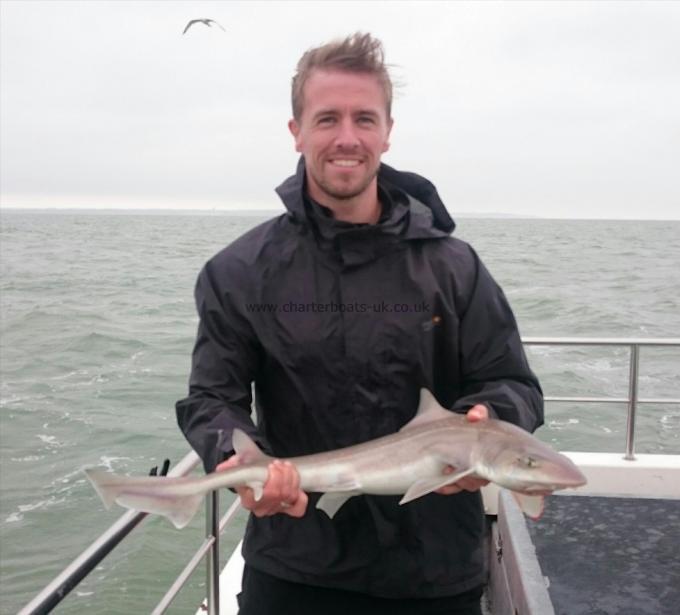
column 345, row 163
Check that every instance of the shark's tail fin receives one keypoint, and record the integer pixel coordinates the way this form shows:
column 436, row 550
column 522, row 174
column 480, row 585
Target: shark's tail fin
column 147, row 494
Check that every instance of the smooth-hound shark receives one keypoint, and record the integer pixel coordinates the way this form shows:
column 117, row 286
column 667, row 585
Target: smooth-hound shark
column 410, row 462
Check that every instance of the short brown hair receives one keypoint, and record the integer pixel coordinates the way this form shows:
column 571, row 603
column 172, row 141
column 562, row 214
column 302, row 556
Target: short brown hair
column 358, row 53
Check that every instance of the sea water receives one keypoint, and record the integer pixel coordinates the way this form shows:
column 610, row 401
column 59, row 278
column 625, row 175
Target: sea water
column 97, row 327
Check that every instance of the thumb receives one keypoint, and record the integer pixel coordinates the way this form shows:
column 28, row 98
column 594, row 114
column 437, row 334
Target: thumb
column 232, row 462
column 478, row 412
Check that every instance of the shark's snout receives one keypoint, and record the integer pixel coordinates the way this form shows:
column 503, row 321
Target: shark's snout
column 566, row 474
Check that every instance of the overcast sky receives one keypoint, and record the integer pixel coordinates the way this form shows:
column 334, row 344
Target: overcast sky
column 530, row 108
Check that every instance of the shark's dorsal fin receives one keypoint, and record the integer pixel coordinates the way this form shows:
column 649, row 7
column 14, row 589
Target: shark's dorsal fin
column 428, row 410
column 245, row 447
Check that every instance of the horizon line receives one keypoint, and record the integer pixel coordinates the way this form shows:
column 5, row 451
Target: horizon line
column 256, row 211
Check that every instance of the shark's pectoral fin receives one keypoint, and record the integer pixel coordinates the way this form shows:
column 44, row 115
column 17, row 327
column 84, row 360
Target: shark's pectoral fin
column 330, row 503
column 531, row 505
column 428, row 485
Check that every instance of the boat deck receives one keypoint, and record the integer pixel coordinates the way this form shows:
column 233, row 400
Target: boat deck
column 603, row 555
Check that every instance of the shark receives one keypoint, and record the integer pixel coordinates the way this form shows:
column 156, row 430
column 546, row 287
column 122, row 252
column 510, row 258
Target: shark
column 410, row 463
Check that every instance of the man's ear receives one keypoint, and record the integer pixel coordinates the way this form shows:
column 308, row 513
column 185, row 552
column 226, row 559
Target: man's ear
column 386, row 144
column 294, row 128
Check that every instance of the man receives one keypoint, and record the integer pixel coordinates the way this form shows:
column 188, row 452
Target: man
column 339, row 311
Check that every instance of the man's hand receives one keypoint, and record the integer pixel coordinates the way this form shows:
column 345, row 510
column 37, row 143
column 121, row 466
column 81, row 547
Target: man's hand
column 471, row 482
column 281, row 492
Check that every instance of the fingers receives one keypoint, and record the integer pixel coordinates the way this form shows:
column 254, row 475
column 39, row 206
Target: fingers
column 290, row 482
column 449, row 489
column 477, row 413
column 281, row 493
column 281, row 486
column 233, row 461
column 299, row 508
column 299, row 499
column 467, row 483
column 472, row 483
column 245, row 493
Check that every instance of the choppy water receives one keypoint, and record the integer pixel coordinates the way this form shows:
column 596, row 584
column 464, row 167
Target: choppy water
column 98, row 322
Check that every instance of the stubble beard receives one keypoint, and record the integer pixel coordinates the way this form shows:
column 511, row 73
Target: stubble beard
column 349, row 193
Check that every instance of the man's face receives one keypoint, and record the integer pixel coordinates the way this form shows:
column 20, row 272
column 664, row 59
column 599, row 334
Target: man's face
column 343, row 131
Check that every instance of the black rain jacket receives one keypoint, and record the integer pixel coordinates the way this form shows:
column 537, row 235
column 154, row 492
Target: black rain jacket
column 338, row 326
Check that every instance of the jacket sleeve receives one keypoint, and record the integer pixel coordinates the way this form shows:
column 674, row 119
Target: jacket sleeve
column 494, row 368
column 223, row 365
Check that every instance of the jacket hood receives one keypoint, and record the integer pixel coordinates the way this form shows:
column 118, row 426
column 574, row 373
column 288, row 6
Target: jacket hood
column 429, row 216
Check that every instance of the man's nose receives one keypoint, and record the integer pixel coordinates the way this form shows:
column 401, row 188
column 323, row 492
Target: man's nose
column 347, row 137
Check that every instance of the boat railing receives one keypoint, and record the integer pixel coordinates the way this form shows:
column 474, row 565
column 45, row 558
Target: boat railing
column 59, row 588
column 632, row 399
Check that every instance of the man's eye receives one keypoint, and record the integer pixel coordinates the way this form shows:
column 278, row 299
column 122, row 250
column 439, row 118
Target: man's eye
column 326, row 120
column 366, row 119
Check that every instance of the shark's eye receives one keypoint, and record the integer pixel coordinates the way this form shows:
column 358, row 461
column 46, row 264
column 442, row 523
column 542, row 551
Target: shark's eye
column 529, row 462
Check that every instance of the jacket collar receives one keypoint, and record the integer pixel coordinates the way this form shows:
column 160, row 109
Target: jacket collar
column 428, row 216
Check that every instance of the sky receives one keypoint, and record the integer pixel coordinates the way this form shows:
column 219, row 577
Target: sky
column 551, row 109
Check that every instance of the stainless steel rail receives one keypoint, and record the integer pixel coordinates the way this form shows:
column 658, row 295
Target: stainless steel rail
column 80, row 567
column 77, row 570
column 634, row 345
column 51, row 595
column 209, row 548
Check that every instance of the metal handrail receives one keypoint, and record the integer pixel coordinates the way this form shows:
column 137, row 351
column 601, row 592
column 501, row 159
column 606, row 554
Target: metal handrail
column 51, row 595
column 210, row 547
column 80, row 567
column 601, row 341
column 634, row 345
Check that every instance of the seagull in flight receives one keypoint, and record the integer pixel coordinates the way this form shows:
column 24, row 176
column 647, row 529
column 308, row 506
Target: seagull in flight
column 207, row 22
